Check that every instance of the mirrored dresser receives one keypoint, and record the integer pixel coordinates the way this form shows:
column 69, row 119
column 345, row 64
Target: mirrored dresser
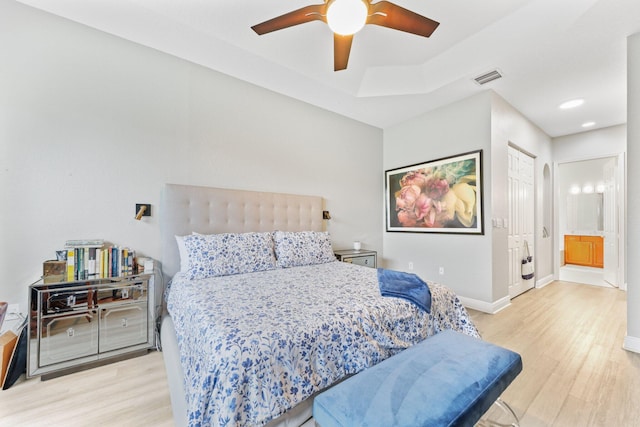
column 78, row 324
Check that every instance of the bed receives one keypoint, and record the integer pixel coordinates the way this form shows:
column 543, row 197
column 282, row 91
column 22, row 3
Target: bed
column 250, row 341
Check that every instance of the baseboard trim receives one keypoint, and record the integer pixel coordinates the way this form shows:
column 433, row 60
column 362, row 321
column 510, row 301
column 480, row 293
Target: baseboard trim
column 486, row 307
column 544, row 281
column 631, row 344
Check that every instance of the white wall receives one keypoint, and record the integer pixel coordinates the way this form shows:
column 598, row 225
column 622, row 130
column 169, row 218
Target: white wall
column 605, row 142
column 632, row 340
column 91, row 124
column 475, row 266
column 466, row 258
column 510, row 127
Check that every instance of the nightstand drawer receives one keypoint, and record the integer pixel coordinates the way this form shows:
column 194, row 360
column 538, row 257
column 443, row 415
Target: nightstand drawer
column 365, row 258
column 367, row 261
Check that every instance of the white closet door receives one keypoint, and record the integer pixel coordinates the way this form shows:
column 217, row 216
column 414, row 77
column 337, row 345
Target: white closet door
column 521, row 219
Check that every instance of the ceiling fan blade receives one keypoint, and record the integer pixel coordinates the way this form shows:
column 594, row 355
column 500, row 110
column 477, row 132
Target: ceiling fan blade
column 341, row 50
column 300, row 16
column 390, row 15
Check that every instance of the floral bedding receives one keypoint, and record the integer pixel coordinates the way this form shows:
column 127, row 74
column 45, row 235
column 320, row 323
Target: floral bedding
column 254, row 345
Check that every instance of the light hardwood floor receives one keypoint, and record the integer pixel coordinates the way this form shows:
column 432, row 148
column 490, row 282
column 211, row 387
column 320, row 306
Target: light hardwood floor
column 575, row 370
column 570, row 338
column 132, row 392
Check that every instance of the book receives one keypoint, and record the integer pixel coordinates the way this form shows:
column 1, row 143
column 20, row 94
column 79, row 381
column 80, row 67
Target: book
column 105, row 263
column 71, row 265
column 98, row 263
column 80, row 264
column 85, row 264
column 114, row 262
column 131, row 262
column 124, row 254
column 82, row 243
column 127, row 264
column 91, row 270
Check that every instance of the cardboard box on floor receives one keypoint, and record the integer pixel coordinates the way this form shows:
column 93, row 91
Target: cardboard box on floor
column 8, row 342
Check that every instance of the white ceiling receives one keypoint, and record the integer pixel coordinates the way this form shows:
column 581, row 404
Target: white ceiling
column 549, row 51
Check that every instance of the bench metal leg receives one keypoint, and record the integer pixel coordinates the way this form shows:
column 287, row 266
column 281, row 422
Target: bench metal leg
column 485, row 422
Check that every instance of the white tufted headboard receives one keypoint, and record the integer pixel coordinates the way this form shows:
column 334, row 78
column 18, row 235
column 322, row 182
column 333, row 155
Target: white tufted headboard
column 187, row 208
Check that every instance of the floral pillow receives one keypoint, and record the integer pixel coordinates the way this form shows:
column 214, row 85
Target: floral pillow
column 224, row 254
column 302, row 248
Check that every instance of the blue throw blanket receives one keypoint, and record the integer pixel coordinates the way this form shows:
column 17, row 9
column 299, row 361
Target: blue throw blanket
column 404, row 285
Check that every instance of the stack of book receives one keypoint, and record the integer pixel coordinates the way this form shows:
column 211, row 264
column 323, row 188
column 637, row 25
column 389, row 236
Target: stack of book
column 91, row 259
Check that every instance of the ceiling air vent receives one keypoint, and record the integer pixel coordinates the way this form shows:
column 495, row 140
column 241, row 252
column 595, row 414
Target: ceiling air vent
column 488, row 77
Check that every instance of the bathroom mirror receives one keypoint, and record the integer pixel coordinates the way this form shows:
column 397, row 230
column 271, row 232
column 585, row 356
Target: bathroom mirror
column 584, row 213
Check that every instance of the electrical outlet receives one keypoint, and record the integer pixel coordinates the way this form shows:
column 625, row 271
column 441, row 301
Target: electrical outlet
column 410, row 265
column 441, row 271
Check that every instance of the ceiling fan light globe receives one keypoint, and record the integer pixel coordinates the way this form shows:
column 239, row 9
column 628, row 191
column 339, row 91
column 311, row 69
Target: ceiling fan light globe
column 347, row 17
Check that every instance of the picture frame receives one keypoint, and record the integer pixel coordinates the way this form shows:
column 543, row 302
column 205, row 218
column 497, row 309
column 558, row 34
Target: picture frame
column 437, row 196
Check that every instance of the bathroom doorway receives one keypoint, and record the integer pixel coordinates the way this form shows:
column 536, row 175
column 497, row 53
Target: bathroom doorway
column 589, row 221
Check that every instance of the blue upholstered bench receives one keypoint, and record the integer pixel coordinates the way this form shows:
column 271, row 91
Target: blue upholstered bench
column 449, row 379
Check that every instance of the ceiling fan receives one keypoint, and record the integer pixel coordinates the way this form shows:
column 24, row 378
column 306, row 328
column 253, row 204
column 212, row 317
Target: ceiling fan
column 346, row 17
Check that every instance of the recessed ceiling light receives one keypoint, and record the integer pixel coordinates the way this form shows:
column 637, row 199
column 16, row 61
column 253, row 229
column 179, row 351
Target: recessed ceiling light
column 571, row 104
column 588, row 124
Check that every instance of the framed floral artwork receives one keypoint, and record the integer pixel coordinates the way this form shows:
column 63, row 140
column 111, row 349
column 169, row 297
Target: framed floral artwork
column 439, row 196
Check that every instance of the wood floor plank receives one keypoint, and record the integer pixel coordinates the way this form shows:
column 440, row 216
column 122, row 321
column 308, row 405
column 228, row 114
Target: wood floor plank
column 574, row 412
